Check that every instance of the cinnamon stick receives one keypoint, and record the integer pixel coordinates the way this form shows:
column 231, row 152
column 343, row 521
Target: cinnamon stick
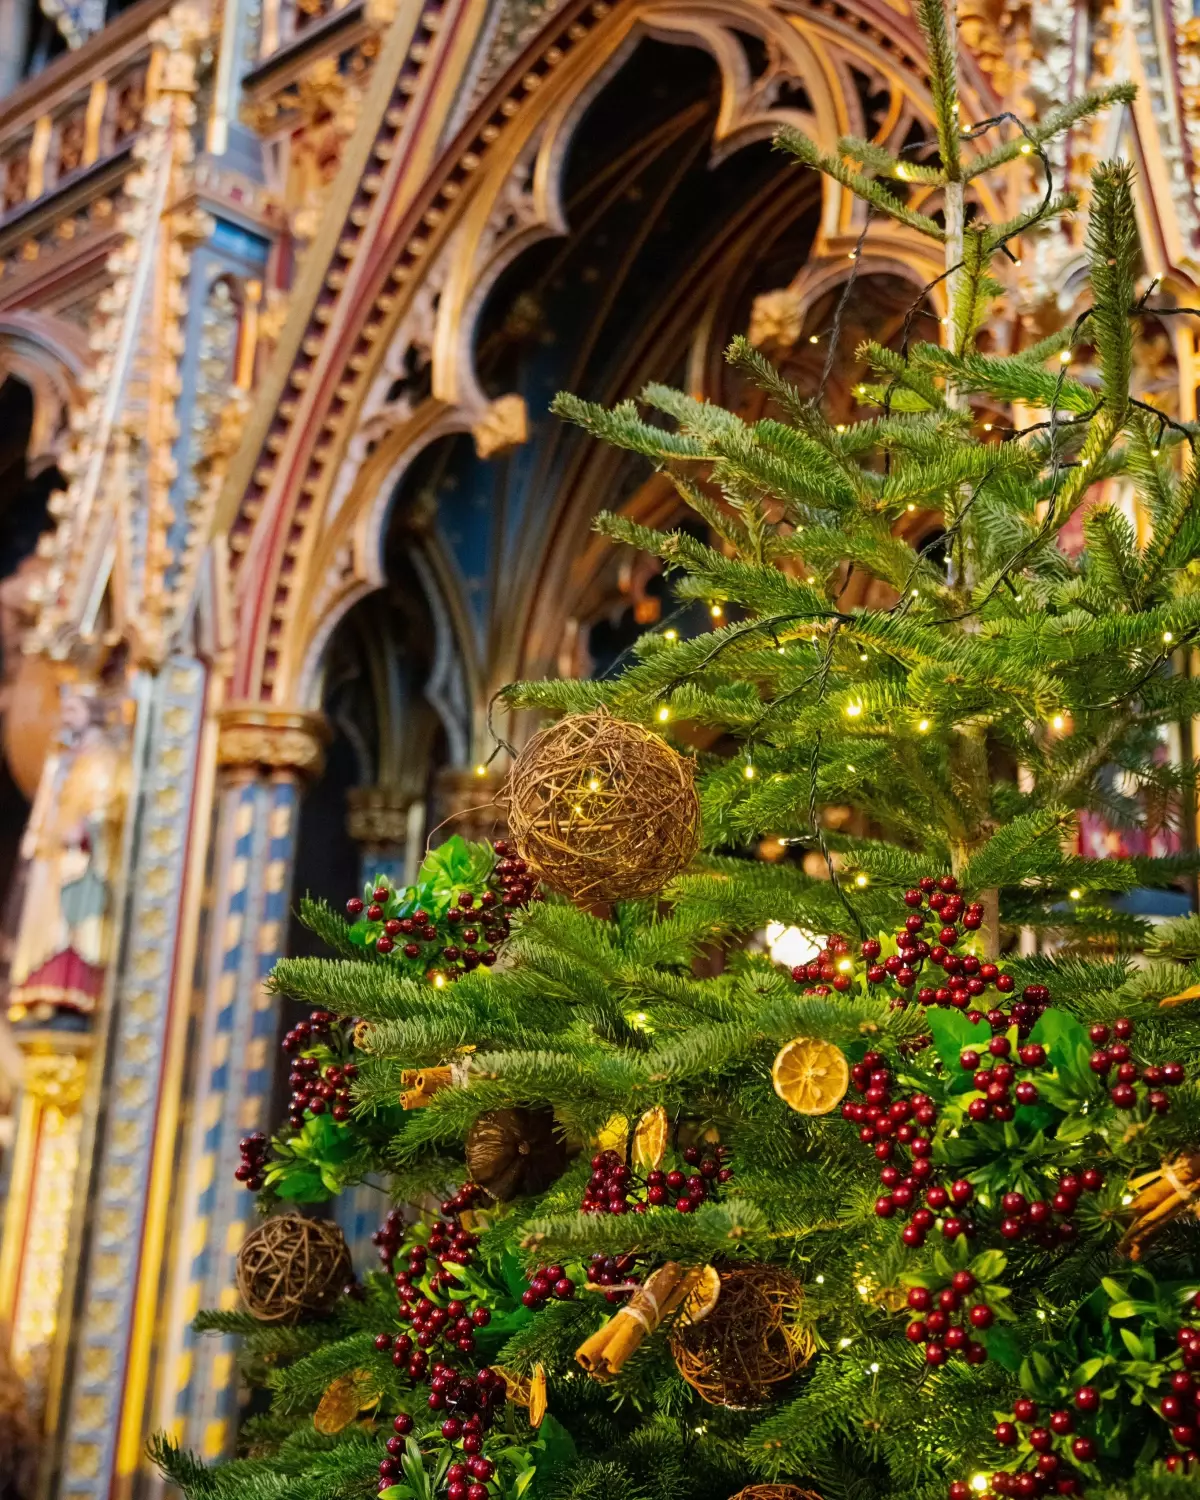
column 603, row 1354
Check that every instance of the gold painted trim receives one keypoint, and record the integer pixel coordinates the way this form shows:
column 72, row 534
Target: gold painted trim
column 16, row 1212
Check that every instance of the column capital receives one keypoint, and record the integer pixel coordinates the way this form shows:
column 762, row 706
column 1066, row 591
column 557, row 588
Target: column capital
column 468, row 802
column 263, row 737
column 377, row 816
column 55, row 1066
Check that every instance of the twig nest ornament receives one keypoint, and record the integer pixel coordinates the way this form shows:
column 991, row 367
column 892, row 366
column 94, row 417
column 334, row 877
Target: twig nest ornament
column 515, row 1151
column 775, row 1492
column 291, row 1268
column 602, row 809
column 749, row 1342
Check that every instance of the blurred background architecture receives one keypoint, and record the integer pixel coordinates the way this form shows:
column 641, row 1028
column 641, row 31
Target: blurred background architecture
column 285, row 289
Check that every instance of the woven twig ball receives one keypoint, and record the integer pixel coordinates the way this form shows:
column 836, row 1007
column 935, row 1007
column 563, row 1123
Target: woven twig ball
column 775, row 1492
column 602, row 809
column 291, row 1268
column 750, row 1341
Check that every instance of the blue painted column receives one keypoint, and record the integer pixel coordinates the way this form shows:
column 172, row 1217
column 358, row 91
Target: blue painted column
column 264, row 756
column 105, row 1338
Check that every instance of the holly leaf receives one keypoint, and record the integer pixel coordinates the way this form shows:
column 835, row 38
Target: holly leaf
column 452, row 867
column 1066, row 1043
column 1004, row 1348
column 953, row 1033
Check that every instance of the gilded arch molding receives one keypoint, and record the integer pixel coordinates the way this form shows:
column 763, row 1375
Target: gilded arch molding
column 293, row 508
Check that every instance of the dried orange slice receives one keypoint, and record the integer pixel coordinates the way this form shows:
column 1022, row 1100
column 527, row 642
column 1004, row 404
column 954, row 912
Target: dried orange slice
column 702, row 1298
column 516, row 1386
column 537, row 1396
column 650, row 1139
column 344, row 1398
column 811, row 1076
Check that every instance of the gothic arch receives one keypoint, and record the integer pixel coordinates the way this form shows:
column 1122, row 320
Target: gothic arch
column 330, row 461
column 49, row 355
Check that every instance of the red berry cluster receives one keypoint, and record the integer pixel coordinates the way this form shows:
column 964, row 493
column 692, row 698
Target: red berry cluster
column 472, row 1401
column 998, row 1078
column 1180, row 1408
column 947, row 1319
column 613, row 1272
column 906, row 1122
column 316, row 1089
column 518, row 886
column 612, row 1183
column 548, row 1281
column 1112, row 1053
column 1048, row 1221
column 1052, row 1444
column 830, row 968
column 254, row 1148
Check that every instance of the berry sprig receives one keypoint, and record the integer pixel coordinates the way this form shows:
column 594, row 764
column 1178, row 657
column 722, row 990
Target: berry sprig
column 615, row 1188
column 466, row 935
column 254, row 1149
column 470, row 1402
column 946, row 1319
column 1112, row 1051
column 546, row 1282
column 1049, row 1444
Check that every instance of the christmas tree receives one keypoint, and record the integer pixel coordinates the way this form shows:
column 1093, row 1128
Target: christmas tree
column 912, row 1216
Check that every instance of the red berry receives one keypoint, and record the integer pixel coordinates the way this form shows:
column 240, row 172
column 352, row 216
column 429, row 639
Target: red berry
column 935, row 1354
column 402, row 1423
column 354, row 907
column 1024, row 1409
column 1084, row 1449
column 1124, row 1096
column 916, row 1333
column 1087, row 1398
column 981, row 1316
column 1006, row 1434
column 1041, row 1440
column 920, row 1298
column 1123, row 1027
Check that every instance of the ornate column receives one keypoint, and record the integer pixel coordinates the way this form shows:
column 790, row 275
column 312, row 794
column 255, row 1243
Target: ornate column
column 387, row 823
column 41, row 1183
column 111, row 1298
column 264, row 756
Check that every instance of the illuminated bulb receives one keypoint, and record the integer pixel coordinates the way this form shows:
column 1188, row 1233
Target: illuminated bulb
column 923, row 726
column 987, row 427
column 1167, row 637
column 862, row 656
column 593, row 785
column 578, row 809
column 1075, row 893
column 1083, row 462
column 841, row 427
column 916, row 593
column 860, row 390
column 910, row 506
column 664, row 714
column 748, row 772
column 853, row 255
column 1016, row 260
column 820, row 1281
column 874, row 1369
column 672, row 635
column 780, row 649
column 860, row 881
column 439, row 981
column 1026, row 149
column 853, row 710
column 902, row 172
column 979, row 1482
column 1126, row 1199
column 640, row 1017
column 845, row 965
column 1041, row 1315
column 844, row 1343
column 1154, row 453
column 1017, row 597
column 716, row 611
column 810, row 580
column 945, row 322
column 850, row 768
column 814, row 338
column 1058, row 722
column 1064, row 356
column 481, row 769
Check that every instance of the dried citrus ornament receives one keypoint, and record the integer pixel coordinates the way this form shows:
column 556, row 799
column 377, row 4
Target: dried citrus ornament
column 702, row 1298
column 811, row 1076
column 537, row 1396
column 344, row 1398
column 650, row 1139
column 613, row 1135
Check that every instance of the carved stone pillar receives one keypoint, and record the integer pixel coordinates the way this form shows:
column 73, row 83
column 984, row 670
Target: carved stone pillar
column 467, row 803
column 264, row 755
column 41, row 1186
column 386, row 822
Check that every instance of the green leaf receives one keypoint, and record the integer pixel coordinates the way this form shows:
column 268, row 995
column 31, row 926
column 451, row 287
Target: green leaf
column 1124, row 1309
column 953, row 1033
column 988, row 1265
column 452, row 867
column 1131, row 1342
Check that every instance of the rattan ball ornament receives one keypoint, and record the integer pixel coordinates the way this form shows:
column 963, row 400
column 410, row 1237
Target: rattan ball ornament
column 291, row 1268
column 602, row 809
column 775, row 1492
column 750, row 1341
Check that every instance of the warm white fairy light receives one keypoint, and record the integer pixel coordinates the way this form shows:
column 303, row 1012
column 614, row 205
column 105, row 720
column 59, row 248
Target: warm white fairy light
column 979, row 1482
column 1075, row 893
column 1026, row 149
column 820, row 1281
column 594, row 784
column 844, row 1343
column 923, row 726
column 861, row 881
column 716, row 611
column 1064, row 356
column 814, row 338
column 481, row 769
column 987, row 427
column 748, row 771
column 672, row 635
column 874, row 1367
column 845, row 965
column 853, row 710
column 1058, row 722
column 1168, row 637
column 664, row 714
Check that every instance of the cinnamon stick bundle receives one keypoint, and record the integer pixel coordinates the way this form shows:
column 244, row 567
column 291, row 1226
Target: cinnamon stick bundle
column 603, row 1354
column 1165, row 1194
